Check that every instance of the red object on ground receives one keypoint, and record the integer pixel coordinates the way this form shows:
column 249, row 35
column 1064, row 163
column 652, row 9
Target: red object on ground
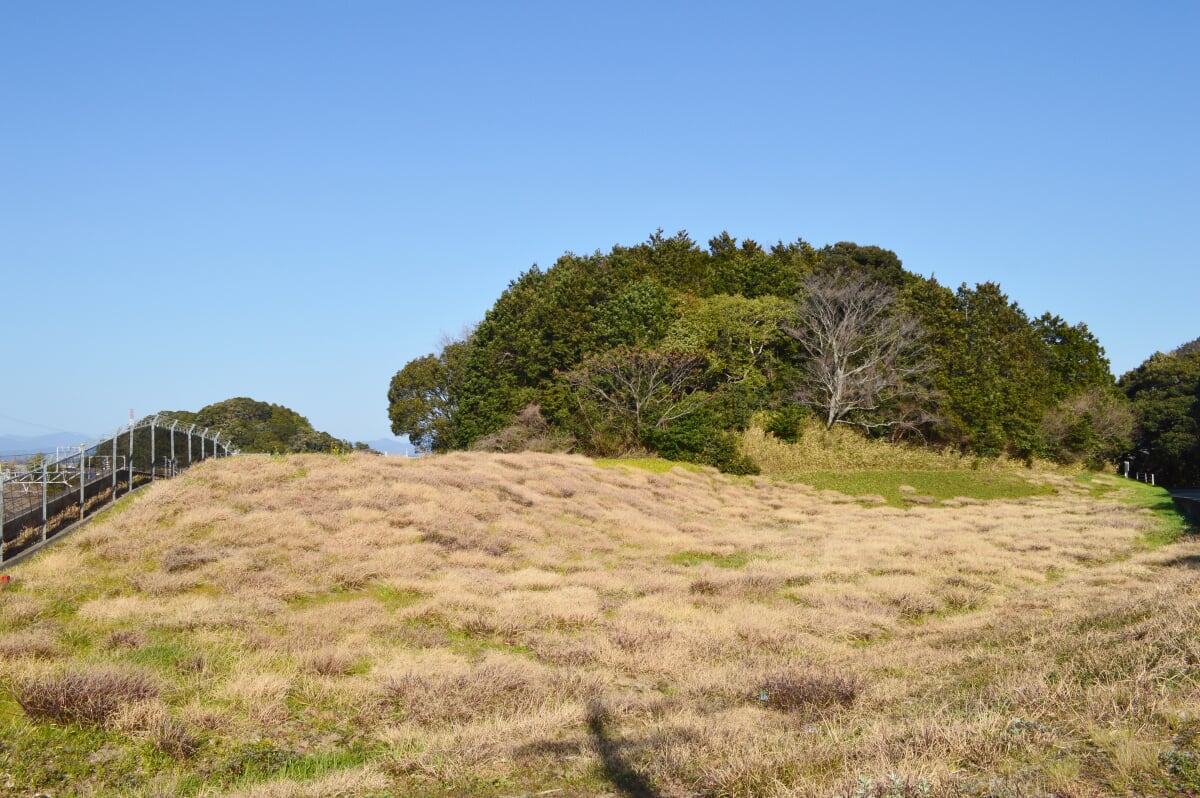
column 4, row 580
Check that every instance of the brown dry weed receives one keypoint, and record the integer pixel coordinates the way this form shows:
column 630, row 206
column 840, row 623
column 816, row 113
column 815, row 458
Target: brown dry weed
column 508, row 624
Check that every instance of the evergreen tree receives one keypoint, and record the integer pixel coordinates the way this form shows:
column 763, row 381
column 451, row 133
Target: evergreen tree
column 1165, row 391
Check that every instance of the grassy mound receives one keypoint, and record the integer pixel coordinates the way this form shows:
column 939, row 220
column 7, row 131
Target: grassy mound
column 510, row 624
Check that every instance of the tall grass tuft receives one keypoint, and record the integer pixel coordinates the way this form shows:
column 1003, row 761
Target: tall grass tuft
column 798, row 691
column 845, row 449
column 89, row 696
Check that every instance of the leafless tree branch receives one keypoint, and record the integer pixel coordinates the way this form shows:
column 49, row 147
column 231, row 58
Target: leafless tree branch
column 863, row 356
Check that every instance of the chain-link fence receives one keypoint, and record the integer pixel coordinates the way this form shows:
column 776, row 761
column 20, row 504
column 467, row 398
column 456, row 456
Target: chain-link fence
column 43, row 495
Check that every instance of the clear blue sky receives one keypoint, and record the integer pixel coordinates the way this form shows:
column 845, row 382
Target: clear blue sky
column 290, row 200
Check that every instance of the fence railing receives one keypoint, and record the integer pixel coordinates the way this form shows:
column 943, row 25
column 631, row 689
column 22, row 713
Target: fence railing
column 43, row 495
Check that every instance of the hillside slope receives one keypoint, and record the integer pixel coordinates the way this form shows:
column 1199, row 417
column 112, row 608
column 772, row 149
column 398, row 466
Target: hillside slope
column 491, row 624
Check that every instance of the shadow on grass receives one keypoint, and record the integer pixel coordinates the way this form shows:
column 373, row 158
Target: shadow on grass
column 1188, row 509
column 627, row 780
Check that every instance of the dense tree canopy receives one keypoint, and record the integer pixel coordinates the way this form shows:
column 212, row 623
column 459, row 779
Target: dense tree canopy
column 261, row 427
column 667, row 346
column 423, row 398
column 1165, row 391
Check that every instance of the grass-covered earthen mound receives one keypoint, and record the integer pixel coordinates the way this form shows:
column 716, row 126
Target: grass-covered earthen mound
column 506, row 625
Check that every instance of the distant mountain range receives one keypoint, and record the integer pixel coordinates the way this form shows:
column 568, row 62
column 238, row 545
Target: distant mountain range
column 392, row 446
column 43, row 444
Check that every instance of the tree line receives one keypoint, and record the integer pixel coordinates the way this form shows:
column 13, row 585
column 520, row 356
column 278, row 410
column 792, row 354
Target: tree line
column 1165, row 392
column 669, row 347
column 261, row 427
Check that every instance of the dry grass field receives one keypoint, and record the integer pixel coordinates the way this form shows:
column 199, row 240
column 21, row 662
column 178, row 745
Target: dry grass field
column 512, row 625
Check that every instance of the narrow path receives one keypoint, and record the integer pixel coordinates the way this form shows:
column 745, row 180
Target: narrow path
column 1188, row 500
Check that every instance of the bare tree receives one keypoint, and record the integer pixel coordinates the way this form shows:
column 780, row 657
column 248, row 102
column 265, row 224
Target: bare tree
column 640, row 390
column 865, row 358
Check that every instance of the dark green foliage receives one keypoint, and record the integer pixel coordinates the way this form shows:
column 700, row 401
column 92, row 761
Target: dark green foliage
column 1165, row 391
column 749, row 271
column 684, row 440
column 740, row 338
column 627, row 394
column 722, row 451
column 423, row 398
column 1093, row 427
column 667, row 347
column 787, row 422
column 1075, row 358
column 994, row 374
column 260, row 427
column 874, row 263
column 700, row 438
column 637, row 316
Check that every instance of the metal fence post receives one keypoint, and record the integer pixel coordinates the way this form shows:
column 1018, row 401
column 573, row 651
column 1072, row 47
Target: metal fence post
column 173, row 425
column 82, row 478
column 203, row 437
column 44, row 476
column 153, row 426
column 190, row 443
column 114, row 465
column 1, row 517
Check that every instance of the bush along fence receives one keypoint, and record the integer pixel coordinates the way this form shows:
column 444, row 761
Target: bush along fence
column 43, row 495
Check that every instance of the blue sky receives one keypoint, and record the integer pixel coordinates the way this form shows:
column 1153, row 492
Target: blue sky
column 290, row 200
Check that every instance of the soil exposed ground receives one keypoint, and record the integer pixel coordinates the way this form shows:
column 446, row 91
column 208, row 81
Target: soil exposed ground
column 516, row 624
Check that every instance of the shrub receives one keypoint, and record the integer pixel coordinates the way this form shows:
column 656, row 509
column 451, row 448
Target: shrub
column 172, row 737
column 791, row 691
column 722, row 451
column 528, row 432
column 125, row 638
column 186, row 557
column 329, row 663
column 787, row 423
column 89, row 697
column 28, row 644
column 698, row 438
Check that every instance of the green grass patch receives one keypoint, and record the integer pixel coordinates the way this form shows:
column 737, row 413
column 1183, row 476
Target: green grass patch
column 473, row 644
column 254, row 764
column 390, row 597
column 737, row 559
column 937, row 486
column 1098, row 485
column 1172, row 524
column 116, row 508
column 62, row 609
column 165, row 656
column 655, row 465
column 45, row 758
column 393, row 598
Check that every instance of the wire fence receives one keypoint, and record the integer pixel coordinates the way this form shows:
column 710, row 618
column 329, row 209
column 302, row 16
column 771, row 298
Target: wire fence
column 42, row 495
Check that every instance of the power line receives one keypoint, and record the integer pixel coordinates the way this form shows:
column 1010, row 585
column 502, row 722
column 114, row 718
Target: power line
column 35, row 424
